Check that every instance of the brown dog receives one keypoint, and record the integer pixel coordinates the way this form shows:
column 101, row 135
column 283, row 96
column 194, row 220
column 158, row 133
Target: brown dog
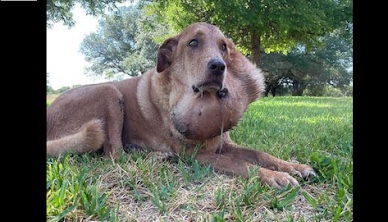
column 198, row 91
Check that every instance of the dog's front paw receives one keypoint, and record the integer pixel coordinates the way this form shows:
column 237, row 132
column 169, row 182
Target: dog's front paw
column 302, row 170
column 276, row 179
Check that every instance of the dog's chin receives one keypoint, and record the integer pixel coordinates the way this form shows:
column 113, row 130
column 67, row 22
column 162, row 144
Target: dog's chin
column 212, row 88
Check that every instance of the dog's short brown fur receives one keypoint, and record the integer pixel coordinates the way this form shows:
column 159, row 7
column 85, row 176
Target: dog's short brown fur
column 198, row 91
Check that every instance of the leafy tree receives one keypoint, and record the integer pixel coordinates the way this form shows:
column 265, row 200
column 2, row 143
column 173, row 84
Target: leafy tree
column 60, row 10
column 329, row 64
column 125, row 43
column 62, row 89
column 122, row 45
column 260, row 25
column 49, row 89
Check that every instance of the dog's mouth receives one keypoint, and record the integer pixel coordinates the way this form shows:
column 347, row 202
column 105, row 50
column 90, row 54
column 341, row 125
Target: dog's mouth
column 208, row 86
column 211, row 86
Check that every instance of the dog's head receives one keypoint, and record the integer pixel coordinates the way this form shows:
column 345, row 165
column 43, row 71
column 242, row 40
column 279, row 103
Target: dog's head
column 210, row 82
column 197, row 54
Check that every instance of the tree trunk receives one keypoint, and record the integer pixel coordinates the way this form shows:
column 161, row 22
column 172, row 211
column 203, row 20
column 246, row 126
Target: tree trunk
column 273, row 91
column 297, row 87
column 255, row 47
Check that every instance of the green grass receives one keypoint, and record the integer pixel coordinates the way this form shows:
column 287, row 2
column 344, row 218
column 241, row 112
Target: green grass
column 148, row 186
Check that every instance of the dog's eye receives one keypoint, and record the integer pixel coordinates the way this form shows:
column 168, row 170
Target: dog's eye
column 223, row 47
column 193, row 43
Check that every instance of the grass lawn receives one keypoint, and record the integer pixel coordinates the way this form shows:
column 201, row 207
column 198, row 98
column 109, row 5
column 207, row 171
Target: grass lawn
column 146, row 186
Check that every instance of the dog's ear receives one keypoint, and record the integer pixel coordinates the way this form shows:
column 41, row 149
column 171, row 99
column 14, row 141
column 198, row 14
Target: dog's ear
column 165, row 54
column 230, row 45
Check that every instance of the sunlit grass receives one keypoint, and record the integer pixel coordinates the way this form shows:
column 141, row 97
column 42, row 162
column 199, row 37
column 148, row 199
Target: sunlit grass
column 146, row 187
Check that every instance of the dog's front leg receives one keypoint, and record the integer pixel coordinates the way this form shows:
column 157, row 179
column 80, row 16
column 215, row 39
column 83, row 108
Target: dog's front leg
column 267, row 161
column 273, row 171
column 239, row 166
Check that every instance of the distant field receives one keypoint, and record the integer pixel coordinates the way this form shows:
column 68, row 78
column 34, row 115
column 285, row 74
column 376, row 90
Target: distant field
column 146, row 187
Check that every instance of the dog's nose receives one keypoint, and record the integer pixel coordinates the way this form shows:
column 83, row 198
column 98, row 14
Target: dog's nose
column 216, row 66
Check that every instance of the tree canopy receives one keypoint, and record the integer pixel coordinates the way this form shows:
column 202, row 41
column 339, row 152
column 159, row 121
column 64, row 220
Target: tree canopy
column 123, row 43
column 291, row 36
column 299, row 44
column 60, row 10
column 330, row 64
column 256, row 25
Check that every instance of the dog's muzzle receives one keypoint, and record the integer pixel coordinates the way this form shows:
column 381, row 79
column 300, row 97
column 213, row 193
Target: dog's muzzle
column 214, row 81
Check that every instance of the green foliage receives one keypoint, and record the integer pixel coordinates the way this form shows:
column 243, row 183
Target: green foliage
column 330, row 91
column 265, row 32
column 49, row 89
column 314, row 70
column 122, row 45
column 256, row 25
column 60, row 10
column 70, row 190
column 323, row 128
column 194, row 173
column 62, row 89
column 284, row 199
